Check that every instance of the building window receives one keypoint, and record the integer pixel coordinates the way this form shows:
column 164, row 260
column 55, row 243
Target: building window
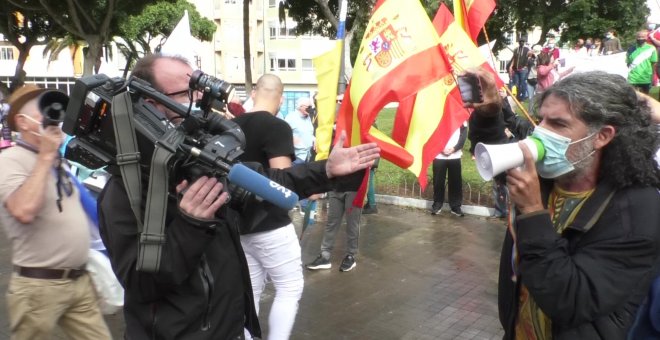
column 273, row 3
column 280, row 31
column 282, row 64
column 289, row 102
column 6, row 53
column 307, row 65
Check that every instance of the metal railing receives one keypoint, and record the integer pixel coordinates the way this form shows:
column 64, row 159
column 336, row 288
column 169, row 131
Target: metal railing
column 64, row 84
column 473, row 194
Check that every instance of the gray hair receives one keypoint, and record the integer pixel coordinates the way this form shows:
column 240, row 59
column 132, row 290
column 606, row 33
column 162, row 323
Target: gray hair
column 303, row 101
column 598, row 99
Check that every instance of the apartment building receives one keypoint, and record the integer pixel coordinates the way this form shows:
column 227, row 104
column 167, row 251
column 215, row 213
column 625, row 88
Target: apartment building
column 274, row 46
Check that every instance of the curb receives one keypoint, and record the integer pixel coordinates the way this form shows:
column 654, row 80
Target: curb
column 426, row 205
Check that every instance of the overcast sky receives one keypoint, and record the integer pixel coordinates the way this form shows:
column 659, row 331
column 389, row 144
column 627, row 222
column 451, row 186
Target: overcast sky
column 654, row 5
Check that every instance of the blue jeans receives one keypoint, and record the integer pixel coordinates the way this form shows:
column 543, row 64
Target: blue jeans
column 531, row 91
column 520, row 81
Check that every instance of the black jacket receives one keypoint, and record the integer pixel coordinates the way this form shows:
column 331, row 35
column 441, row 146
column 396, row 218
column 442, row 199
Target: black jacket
column 589, row 281
column 203, row 289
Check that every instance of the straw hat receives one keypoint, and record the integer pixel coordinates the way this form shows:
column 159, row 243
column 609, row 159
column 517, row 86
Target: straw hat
column 18, row 99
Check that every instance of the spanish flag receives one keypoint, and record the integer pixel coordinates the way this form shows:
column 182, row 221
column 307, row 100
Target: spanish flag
column 400, row 54
column 472, row 15
column 425, row 122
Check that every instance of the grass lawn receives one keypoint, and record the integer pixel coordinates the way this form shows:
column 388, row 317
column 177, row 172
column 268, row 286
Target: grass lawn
column 390, row 179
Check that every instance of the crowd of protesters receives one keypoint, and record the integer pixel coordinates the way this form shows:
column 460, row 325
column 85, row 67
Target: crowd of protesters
column 578, row 259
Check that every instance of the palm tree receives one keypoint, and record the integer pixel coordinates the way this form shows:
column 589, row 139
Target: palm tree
column 55, row 46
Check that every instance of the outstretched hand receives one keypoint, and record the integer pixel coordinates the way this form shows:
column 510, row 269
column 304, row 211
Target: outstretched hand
column 343, row 161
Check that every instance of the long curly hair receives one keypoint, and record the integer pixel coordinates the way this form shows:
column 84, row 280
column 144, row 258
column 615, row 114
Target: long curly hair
column 598, row 99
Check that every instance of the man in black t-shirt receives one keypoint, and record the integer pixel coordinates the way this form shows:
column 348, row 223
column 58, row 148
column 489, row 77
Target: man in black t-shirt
column 269, row 238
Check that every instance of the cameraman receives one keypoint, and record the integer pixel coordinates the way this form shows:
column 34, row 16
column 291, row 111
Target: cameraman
column 50, row 237
column 203, row 289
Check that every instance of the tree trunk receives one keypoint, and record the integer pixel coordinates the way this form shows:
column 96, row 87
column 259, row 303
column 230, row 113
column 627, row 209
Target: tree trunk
column 92, row 57
column 19, row 74
column 246, row 47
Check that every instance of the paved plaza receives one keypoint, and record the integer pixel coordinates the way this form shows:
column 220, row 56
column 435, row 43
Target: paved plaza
column 418, row 276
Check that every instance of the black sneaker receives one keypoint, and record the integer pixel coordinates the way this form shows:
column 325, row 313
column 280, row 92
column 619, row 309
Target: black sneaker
column 436, row 210
column 319, row 263
column 348, row 263
column 369, row 210
column 457, row 212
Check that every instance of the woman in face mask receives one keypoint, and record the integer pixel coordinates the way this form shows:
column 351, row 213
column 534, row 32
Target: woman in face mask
column 547, row 72
column 612, row 44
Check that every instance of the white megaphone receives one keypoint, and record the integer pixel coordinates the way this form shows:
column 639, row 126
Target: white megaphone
column 493, row 159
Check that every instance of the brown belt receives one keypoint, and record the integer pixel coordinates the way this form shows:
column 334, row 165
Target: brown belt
column 49, row 274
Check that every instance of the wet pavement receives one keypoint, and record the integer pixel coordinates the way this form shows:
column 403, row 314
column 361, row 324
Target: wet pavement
column 418, row 276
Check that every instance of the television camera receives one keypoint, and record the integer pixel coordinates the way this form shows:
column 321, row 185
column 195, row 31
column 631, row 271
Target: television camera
column 205, row 143
column 116, row 126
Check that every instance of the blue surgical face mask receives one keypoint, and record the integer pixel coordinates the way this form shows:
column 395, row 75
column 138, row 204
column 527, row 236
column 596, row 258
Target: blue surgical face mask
column 555, row 163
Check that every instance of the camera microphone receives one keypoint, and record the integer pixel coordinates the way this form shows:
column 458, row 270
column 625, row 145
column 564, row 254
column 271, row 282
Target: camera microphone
column 263, row 187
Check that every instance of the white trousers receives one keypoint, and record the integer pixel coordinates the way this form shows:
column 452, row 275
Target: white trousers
column 276, row 255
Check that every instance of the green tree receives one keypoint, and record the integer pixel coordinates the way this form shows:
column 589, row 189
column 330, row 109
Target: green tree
column 137, row 32
column 96, row 22
column 576, row 18
column 592, row 18
column 322, row 17
column 24, row 28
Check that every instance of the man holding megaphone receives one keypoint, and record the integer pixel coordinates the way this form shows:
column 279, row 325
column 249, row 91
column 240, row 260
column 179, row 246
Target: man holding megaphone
column 580, row 255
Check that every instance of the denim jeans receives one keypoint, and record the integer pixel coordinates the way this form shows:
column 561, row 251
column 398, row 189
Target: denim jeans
column 276, row 255
column 520, row 81
column 531, row 91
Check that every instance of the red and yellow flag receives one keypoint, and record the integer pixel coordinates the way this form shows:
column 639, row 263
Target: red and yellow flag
column 472, row 15
column 399, row 55
column 425, row 122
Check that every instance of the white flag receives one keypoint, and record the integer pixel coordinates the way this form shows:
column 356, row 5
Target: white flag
column 181, row 42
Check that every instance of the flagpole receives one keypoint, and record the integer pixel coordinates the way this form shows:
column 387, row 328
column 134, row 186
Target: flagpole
column 341, row 32
column 506, row 88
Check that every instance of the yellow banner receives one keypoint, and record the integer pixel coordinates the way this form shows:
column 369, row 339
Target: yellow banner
column 327, row 67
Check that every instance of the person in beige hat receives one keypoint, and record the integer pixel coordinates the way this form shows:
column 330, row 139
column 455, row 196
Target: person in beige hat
column 44, row 220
